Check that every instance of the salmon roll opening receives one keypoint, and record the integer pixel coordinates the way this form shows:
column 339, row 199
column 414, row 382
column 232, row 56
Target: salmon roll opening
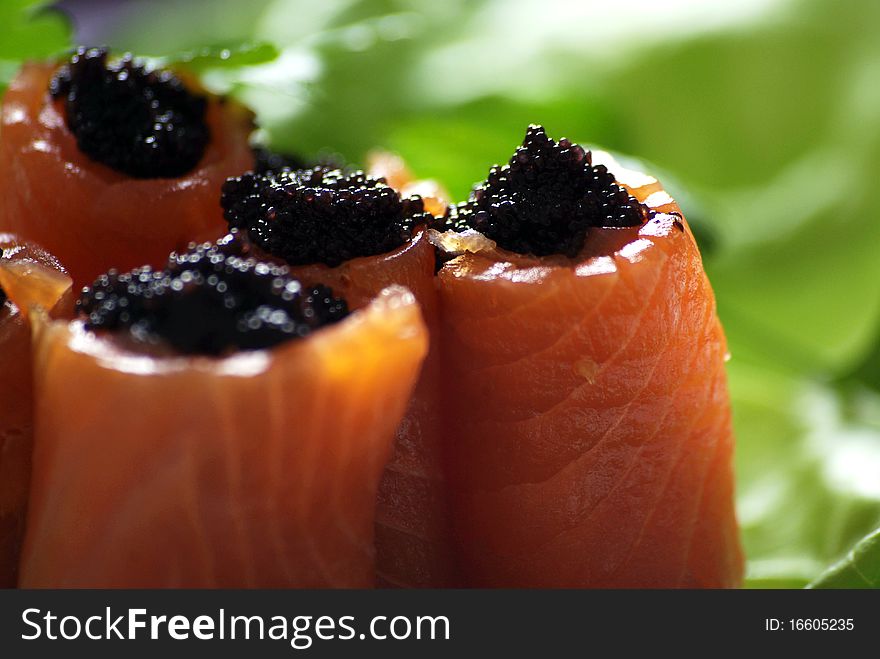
column 29, row 277
column 357, row 233
column 109, row 162
column 215, row 423
column 592, row 442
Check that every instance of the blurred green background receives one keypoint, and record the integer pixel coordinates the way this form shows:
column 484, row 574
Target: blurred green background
column 762, row 116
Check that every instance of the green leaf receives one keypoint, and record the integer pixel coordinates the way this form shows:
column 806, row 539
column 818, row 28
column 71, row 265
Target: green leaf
column 223, row 56
column 808, row 456
column 31, row 30
column 860, row 568
column 808, row 299
column 366, row 55
column 162, row 29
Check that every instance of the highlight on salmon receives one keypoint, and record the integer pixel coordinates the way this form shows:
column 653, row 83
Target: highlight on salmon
column 589, row 440
column 359, row 233
column 222, row 407
column 108, row 162
column 29, row 277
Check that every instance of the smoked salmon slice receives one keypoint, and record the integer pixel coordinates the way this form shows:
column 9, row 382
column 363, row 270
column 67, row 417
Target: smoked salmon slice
column 92, row 215
column 413, row 528
column 28, row 276
column 256, row 468
column 591, row 441
column 413, row 542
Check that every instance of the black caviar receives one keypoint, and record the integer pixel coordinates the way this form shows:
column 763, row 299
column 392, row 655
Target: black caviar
column 212, row 299
column 545, row 199
column 320, row 215
column 142, row 122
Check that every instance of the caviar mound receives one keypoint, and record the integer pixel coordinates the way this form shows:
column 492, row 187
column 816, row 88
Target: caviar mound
column 545, row 199
column 593, row 444
column 141, row 122
column 258, row 469
column 209, row 300
column 320, row 215
column 91, row 216
column 28, row 277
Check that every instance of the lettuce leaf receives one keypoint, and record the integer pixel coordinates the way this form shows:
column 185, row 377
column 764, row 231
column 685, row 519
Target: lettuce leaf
column 223, row 56
column 31, row 30
column 808, row 455
column 860, row 568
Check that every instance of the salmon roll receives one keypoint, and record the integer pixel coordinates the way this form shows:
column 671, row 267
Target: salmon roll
column 110, row 163
column 29, row 276
column 357, row 234
column 590, row 431
column 215, row 423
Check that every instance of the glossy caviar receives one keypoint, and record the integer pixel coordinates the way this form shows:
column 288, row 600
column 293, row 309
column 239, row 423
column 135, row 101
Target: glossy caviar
column 546, row 199
column 141, row 122
column 211, row 300
column 320, row 215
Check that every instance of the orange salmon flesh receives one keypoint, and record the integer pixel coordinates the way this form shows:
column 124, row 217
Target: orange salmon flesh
column 414, row 545
column 256, row 470
column 591, row 441
column 29, row 277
